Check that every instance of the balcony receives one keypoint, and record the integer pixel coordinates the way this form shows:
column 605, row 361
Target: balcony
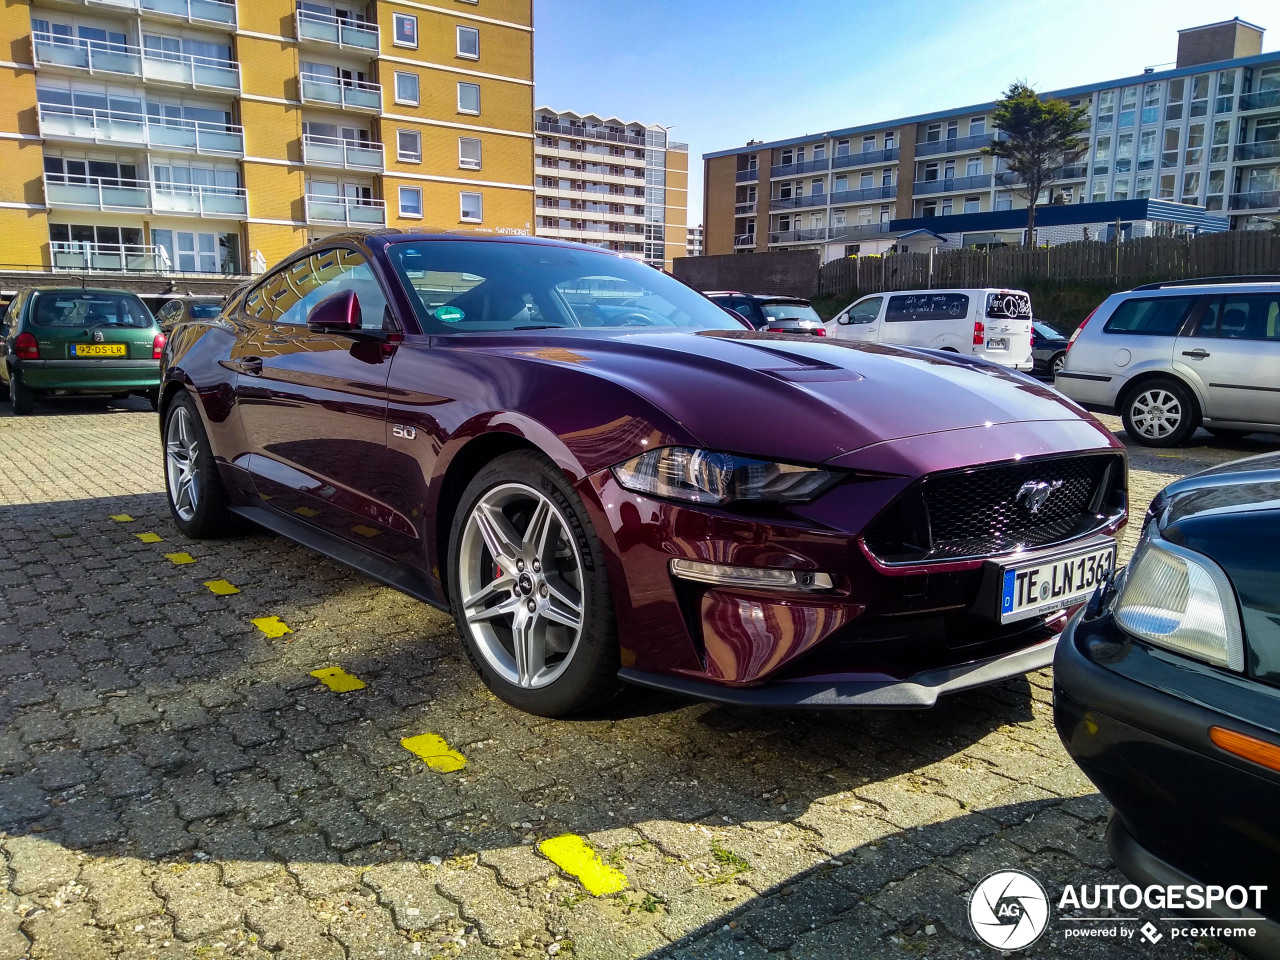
column 345, row 211
column 677, row 146
column 200, row 200
column 1255, row 200
column 744, row 240
column 1076, row 171
column 1261, row 150
column 949, row 184
column 749, row 176
column 744, row 209
column 348, row 94
column 108, row 257
column 787, row 203
column 584, row 133
column 842, row 160
column 857, row 231
column 221, row 12
column 102, row 57
column 805, row 166
column 799, row 236
column 930, row 148
column 346, row 154
column 341, row 31
column 97, row 193
column 83, row 125
column 864, row 194
column 1261, row 100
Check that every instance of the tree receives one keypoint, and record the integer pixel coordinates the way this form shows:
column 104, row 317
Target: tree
column 1040, row 137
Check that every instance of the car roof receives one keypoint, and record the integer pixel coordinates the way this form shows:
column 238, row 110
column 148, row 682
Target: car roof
column 113, row 291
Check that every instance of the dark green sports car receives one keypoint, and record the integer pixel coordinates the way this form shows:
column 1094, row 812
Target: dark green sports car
column 58, row 341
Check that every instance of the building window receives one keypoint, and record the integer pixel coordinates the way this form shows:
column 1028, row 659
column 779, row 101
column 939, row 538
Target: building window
column 1099, row 191
column 888, row 140
column 1147, row 150
column 1195, row 145
column 1220, row 151
column 1106, row 108
column 1173, row 106
column 842, row 148
column 1166, row 186
column 1128, row 106
column 973, row 167
column 1151, row 103
column 1124, row 152
column 407, row 88
column 469, row 98
column 1120, row 190
column 1191, row 186
column 472, row 208
column 972, row 204
column 1144, row 189
column 469, row 43
column 868, row 143
column 978, row 125
column 409, row 146
column 411, row 202
column 946, row 207
column 469, row 153
column 930, row 208
column 406, row 30
column 1199, row 96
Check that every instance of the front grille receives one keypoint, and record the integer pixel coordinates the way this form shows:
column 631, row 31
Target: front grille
column 978, row 512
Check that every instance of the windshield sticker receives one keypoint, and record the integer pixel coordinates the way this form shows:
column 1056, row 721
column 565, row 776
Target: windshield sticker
column 449, row 314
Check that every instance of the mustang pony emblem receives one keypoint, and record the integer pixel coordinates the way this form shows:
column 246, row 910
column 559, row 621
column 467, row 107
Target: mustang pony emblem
column 1036, row 492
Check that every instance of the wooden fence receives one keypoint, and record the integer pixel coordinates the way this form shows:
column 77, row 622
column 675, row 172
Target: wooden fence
column 1122, row 263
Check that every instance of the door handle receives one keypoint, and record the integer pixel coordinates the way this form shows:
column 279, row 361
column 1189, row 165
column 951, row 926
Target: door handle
column 250, row 365
column 1196, row 354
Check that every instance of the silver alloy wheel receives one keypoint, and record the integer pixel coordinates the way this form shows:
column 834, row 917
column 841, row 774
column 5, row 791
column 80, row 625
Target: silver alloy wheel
column 180, row 452
column 1156, row 413
column 520, row 579
column 1059, row 362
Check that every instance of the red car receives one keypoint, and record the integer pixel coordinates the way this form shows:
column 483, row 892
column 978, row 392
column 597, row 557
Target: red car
column 604, row 476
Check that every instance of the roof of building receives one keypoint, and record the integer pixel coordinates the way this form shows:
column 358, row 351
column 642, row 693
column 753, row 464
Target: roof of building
column 602, row 119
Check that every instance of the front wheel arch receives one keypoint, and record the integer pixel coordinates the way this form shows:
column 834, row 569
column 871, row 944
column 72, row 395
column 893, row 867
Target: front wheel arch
column 1140, row 381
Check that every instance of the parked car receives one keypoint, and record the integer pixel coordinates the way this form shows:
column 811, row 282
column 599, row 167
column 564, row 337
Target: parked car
column 773, row 314
column 1169, row 357
column 187, row 308
column 1048, row 348
column 57, row 341
column 604, row 476
column 1167, row 694
column 991, row 324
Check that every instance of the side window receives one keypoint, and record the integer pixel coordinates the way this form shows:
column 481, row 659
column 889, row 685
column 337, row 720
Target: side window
column 273, row 297
column 291, row 293
column 10, row 315
column 866, row 311
column 747, row 308
column 1254, row 316
column 927, row 306
column 1152, row 316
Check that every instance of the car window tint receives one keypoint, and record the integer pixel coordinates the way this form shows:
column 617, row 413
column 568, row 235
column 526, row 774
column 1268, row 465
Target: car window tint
column 1153, row 316
column 88, row 309
column 927, row 306
column 866, row 311
column 205, row 311
column 1248, row 316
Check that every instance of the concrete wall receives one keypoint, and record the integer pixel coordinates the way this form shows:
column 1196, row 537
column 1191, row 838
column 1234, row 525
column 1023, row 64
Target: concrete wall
column 792, row 273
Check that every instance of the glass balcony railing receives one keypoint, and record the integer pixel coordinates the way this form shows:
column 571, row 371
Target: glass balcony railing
column 59, row 122
column 841, row 160
column 201, row 200
column 948, row 184
column 928, row 148
column 1260, row 100
column 748, row 176
column 100, row 56
column 190, row 71
column 350, row 94
column 348, row 154
column 798, row 236
column 745, row 240
column 196, row 11
column 804, row 166
column 744, row 209
column 348, row 211
column 587, row 133
column 1263, row 150
column 863, row 194
column 342, row 31
column 1256, row 200
column 812, row 200
column 97, row 193
column 107, row 257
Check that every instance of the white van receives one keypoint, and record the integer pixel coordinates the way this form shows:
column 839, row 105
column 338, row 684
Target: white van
column 988, row 323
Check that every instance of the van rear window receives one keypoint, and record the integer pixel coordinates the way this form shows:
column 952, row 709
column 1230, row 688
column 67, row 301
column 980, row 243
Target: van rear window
column 927, row 306
column 1153, row 316
column 1008, row 306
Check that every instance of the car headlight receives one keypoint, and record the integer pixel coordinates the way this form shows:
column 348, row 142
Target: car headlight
column 703, row 476
column 1182, row 601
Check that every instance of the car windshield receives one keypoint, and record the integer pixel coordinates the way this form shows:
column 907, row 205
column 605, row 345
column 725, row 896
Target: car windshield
column 77, row 308
column 790, row 311
column 205, row 311
column 1046, row 331
column 465, row 286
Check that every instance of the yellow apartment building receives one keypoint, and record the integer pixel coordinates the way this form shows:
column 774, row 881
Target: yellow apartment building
column 217, row 136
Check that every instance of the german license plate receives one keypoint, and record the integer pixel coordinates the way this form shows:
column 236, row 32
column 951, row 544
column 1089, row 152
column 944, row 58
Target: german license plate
column 98, row 350
column 1035, row 587
column 998, row 343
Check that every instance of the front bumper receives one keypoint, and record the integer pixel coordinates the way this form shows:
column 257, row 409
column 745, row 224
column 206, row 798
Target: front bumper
column 1136, row 720
column 88, row 375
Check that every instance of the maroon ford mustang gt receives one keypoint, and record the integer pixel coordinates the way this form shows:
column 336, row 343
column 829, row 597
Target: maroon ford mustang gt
column 603, row 475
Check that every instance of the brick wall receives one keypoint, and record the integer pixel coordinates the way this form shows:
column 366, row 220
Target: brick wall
column 791, row 273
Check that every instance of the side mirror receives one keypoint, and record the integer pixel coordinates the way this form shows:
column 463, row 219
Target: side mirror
column 844, row 319
column 339, row 313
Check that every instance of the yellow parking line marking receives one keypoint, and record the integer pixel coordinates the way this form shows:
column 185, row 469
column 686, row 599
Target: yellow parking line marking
column 435, row 752
column 364, row 531
column 149, row 537
column 574, row 855
column 338, row 680
column 122, row 518
column 306, row 511
column 221, row 587
column 273, row 627
column 183, row 557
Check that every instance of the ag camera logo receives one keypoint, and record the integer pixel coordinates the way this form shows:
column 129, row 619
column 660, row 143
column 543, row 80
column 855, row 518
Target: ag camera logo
column 1009, row 910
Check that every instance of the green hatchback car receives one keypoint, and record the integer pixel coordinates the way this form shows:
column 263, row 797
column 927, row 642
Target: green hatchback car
column 57, row 341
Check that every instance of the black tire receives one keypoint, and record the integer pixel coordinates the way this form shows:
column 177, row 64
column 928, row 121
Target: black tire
column 210, row 517
column 153, row 398
column 1055, row 363
column 588, row 672
column 1226, row 433
column 21, row 396
column 1160, row 413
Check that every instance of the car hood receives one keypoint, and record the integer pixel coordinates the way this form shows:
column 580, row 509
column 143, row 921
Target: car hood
column 1241, row 486
column 797, row 397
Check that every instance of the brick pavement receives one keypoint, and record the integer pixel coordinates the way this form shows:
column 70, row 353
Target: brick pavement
column 174, row 783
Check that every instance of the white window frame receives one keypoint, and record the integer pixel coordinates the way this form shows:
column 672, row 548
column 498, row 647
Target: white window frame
column 396, row 20
column 417, row 84
column 462, row 213
column 465, row 162
column 459, row 33
column 461, row 109
column 409, row 192
column 408, row 156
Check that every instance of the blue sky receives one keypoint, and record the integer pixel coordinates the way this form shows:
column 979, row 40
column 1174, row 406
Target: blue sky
column 727, row 71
